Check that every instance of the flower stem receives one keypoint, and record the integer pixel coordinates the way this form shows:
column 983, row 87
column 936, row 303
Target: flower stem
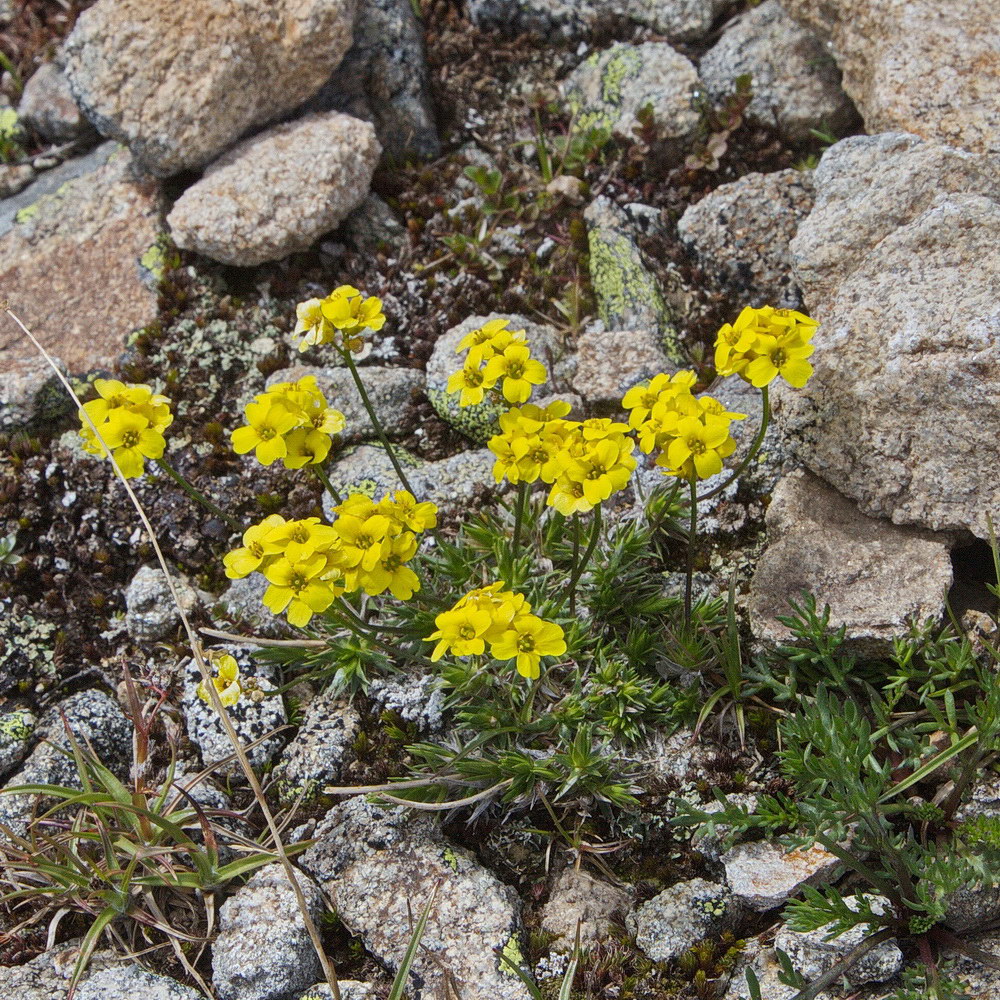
column 576, row 561
column 692, row 533
column 370, row 410
column 595, row 534
column 754, row 447
column 327, row 485
column 522, row 496
column 198, row 496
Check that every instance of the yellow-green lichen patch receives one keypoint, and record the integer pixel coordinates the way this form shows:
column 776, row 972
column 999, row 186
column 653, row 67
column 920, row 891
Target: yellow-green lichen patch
column 512, row 955
column 477, row 422
column 17, row 726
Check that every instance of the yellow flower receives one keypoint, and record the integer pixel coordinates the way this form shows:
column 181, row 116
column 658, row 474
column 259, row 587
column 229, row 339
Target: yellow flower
column 226, row 680
column 351, row 313
column 529, row 638
column 361, row 540
column 733, row 341
column 298, row 540
column 257, row 546
column 518, row 370
column 699, row 446
column 510, row 451
column 604, row 469
column 389, row 573
column 489, row 339
column 305, row 447
column 311, row 325
column 784, row 356
column 404, row 509
column 567, row 497
column 472, row 382
column 299, row 588
column 267, row 422
column 131, row 441
column 461, row 632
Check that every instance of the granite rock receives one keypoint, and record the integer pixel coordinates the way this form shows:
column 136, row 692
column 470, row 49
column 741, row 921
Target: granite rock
column 610, row 87
column 610, row 363
column 72, row 265
column 916, row 66
column 796, row 84
column 179, row 97
column 31, row 394
column 377, row 865
column 578, row 899
column 150, row 611
column 126, row 982
column 263, row 950
column 741, row 233
column 878, row 578
column 47, row 105
column 279, row 191
column 17, row 727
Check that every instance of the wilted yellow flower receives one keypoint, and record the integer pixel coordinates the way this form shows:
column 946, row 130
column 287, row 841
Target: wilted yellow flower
column 226, row 680
column 311, row 325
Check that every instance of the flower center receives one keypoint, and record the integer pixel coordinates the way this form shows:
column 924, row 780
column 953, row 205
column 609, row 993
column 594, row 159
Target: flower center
column 778, row 357
column 256, row 549
column 515, row 369
column 299, row 534
column 697, row 446
column 467, row 632
column 267, row 433
column 130, row 439
column 525, row 644
column 297, row 582
column 473, row 378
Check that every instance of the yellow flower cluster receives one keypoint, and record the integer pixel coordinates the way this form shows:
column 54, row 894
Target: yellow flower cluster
column 502, row 620
column 339, row 319
column 765, row 343
column 309, row 564
column 226, row 681
column 583, row 462
column 290, row 421
column 130, row 419
column 496, row 354
column 691, row 433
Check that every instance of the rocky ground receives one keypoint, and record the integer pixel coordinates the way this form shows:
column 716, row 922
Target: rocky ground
column 620, row 178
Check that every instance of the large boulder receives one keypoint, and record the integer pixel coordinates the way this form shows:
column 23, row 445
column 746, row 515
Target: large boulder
column 877, row 578
column 918, row 65
column 279, row 191
column 796, row 85
column 179, row 82
column 900, row 261
column 71, row 266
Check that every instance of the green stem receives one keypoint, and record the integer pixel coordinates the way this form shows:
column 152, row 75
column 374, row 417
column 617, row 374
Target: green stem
column 576, row 562
column 327, row 485
column 370, row 410
column 595, row 534
column 198, row 496
column 692, row 534
column 522, row 495
column 754, row 447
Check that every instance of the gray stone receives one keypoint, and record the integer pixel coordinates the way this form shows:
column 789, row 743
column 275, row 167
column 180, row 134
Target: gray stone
column 921, row 66
column 796, row 84
column 764, row 876
column 31, row 394
column 150, row 611
column 418, row 699
column 971, row 907
column 392, row 391
column 94, row 720
column 279, row 191
column 812, row 954
column 678, row 20
column 479, row 422
column 610, row 88
column 768, row 971
column 577, row 899
column 868, row 186
column 253, row 720
column 263, row 950
column 144, row 77
column 628, row 297
column 981, row 981
column 456, row 484
column 51, row 180
column 130, row 981
column 17, row 726
column 242, row 601
column 901, row 412
column 878, row 578
column 379, row 865
column 383, row 79
column 321, row 749
column 47, row 976
column 679, row 917
column 47, row 105
column 612, row 362
column 741, row 233
column 15, row 177
column 373, row 227
column 72, row 265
